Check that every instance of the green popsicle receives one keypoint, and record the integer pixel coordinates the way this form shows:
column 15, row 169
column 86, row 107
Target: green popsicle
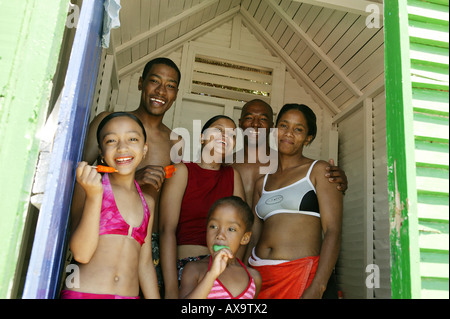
column 219, row 247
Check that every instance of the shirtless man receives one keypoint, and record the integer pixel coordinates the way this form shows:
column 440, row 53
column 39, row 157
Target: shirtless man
column 159, row 88
column 257, row 114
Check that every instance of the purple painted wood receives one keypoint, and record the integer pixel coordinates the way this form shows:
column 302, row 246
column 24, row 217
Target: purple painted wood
column 49, row 246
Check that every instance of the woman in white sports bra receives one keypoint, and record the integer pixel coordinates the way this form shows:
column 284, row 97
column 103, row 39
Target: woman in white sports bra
column 299, row 215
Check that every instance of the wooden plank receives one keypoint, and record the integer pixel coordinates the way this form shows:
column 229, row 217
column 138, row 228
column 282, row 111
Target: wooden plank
column 318, row 24
column 432, row 207
column 209, row 13
column 426, row 33
column 292, row 44
column 273, row 24
column 231, row 72
column 259, row 14
column 301, row 13
column 329, row 88
column 267, row 17
column 144, row 25
column 312, row 63
column 338, row 32
column 309, row 18
column 280, row 30
column 324, row 77
column 428, row 12
column 330, row 24
column 356, row 46
column 433, row 127
column 339, row 94
column 368, row 49
column 227, row 94
column 324, row 57
column 368, row 71
column 352, row 260
column 305, row 56
column 105, row 88
column 231, row 82
column 298, row 50
column 179, row 41
column 154, row 13
column 223, row 6
column 302, row 77
column 164, row 24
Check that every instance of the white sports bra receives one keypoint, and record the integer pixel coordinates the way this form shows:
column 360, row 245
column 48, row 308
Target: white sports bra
column 297, row 198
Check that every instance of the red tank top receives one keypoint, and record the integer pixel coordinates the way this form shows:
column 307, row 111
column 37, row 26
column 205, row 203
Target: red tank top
column 203, row 188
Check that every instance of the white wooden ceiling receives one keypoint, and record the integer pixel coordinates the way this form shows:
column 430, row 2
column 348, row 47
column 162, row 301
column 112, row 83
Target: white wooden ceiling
column 326, row 44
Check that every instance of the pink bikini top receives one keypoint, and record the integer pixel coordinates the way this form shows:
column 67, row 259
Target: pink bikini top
column 112, row 222
column 219, row 291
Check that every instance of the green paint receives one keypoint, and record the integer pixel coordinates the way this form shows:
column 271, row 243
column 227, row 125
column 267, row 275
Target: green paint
column 31, row 33
column 405, row 279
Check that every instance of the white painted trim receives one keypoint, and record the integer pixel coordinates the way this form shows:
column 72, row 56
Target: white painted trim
column 236, row 32
column 368, row 188
column 353, row 6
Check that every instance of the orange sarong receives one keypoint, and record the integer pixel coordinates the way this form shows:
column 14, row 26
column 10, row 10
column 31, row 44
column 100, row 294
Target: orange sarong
column 285, row 280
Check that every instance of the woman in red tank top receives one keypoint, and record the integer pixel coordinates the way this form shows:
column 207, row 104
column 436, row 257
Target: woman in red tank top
column 188, row 195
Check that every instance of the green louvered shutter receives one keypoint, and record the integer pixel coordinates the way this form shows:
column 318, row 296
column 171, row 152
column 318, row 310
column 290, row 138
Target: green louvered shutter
column 429, row 54
column 417, row 108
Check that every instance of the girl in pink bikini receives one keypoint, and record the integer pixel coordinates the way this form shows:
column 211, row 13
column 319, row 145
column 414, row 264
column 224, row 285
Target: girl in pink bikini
column 223, row 275
column 111, row 219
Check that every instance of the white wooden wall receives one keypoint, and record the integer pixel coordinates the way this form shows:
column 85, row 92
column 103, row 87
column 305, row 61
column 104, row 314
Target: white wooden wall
column 381, row 240
column 246, row 44
column 365, row 250
column 352, row 261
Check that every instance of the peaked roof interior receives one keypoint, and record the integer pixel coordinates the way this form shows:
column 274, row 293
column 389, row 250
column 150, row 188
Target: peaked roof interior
column 336, row 48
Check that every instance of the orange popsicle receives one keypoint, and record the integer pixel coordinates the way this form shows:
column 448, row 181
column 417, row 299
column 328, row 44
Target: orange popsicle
column 105, row 169
column 169, row 170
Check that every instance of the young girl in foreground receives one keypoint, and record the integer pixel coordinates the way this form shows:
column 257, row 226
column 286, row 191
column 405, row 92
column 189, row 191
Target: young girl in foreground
column 222, row 276
column 112, row 219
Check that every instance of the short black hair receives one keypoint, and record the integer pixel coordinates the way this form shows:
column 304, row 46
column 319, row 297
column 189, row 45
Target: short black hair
column 307, row 112
column 161, row 60
column 258, row 101
column 113, row 115
column 241, row 206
